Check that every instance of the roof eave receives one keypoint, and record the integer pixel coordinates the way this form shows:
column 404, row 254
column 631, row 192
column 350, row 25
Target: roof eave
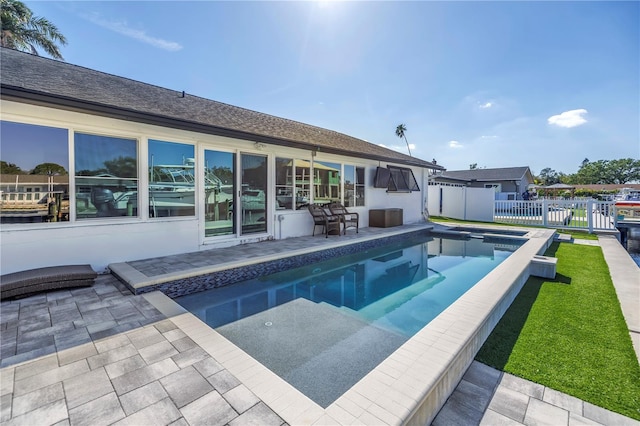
column 46, row 99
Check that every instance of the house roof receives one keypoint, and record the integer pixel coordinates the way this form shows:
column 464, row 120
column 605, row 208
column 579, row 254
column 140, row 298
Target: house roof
column 7, row 179
column 609, row 187
column 559, row 186
column 484, row 175
column 34, row 79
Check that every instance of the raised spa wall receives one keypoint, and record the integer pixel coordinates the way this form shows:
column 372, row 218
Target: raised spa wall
column 461, row 330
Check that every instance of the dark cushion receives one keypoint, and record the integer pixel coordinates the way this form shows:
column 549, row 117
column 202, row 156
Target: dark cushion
column 43, row 279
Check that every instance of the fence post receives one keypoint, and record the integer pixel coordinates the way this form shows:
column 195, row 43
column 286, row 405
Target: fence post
column 590, row 215
column 545, row 213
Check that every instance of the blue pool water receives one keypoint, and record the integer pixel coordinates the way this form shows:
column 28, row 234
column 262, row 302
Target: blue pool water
column 324, row 326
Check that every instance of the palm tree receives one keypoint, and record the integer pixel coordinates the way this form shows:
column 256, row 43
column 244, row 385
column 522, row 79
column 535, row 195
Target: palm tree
column 400, row 133
column 20, row 30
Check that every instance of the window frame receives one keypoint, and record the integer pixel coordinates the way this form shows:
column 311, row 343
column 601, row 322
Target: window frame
column 129, row 212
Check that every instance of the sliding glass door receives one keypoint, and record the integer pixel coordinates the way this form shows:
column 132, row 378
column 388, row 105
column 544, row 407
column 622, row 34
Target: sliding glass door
column 221, row 195
column 254, row 193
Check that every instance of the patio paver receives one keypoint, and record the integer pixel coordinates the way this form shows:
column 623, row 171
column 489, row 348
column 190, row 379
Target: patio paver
column 127, row 362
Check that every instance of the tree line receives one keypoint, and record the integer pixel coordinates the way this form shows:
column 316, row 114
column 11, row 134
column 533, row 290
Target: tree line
column 40, row 169
column 601, row 172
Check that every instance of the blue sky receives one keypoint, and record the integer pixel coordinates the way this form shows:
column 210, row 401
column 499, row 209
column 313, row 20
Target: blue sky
column 500, row 84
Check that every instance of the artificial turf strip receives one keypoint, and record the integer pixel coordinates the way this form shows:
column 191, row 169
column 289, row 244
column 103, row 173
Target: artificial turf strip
column 569, row 334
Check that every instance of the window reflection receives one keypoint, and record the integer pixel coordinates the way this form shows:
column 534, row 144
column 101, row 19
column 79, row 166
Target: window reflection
column 34, row 181
column 349, row 186
column 360, row 186
column 254, row 193
column 353, row 186
column 219, row 176
column 326, row 182
column 106, row 176
column 171, row 179
column 287, row 185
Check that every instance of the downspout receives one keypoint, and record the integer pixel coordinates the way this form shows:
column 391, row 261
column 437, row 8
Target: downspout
column 425, row 198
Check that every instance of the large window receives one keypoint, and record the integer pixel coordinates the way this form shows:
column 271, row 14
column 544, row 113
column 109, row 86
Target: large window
column 326, row 182
column 34, row 179
column 171, row 179
column 106, row 178
column 353, row 186
column 292, row 183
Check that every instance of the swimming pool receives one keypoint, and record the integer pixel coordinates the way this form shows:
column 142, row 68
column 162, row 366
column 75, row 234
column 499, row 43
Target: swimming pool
column 324, row 326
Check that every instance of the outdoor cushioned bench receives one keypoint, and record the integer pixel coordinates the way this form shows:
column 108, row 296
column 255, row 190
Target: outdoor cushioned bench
column 25, row 283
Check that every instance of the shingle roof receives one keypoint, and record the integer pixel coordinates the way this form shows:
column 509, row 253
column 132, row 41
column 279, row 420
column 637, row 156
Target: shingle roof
column 608, row 187
column 43, row 80
column 12, row 179
column 485, row 175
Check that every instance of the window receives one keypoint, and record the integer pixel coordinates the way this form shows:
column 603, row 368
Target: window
column 353, row 186
column 302, row 172
column 287, row 186
column 171, row 179
column 397, row 179
column 106, row 176
column 326, row 182
column 284, row 183
column 34, row 170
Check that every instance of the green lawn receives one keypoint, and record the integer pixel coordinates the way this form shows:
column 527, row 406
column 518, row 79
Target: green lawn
column 569, row 334
column 582, row 235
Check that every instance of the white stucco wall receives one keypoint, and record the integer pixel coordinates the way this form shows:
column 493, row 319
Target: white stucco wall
column 100, row 242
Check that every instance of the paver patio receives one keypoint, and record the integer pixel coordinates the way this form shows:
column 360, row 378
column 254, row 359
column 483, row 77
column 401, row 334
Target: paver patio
column 101, row 355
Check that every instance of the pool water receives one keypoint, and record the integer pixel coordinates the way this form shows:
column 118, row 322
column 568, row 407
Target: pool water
column 324, row 326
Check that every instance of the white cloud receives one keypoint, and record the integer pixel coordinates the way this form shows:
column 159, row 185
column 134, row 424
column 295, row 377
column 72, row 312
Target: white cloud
column 122, row 28
column 485, row 105
column 486, row 137
column 568, row 119
column 455, row 145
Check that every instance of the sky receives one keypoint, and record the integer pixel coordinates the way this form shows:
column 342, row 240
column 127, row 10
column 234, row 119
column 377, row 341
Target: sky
column 496, row 84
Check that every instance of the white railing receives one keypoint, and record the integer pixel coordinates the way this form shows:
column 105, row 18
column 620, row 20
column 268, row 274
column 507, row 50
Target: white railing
column 588, row 215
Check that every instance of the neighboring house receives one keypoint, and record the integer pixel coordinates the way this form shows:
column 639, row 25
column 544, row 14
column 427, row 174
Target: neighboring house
column 30, row 189
column 27, row 198
column 508, row 183
column 156, row 172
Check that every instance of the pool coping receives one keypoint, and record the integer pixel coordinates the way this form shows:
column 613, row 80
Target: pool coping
column 140, row 283
column 408, row 387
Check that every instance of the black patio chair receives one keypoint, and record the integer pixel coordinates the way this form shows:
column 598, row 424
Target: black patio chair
column 349, row 219
column 323, row 217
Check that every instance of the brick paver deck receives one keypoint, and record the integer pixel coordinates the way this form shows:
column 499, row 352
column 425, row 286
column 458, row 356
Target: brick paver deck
column 101, row 355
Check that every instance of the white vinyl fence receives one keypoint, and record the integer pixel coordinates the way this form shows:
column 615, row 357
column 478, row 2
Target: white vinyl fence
column 479, row 204
column 587, row 215
column 459, row 202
